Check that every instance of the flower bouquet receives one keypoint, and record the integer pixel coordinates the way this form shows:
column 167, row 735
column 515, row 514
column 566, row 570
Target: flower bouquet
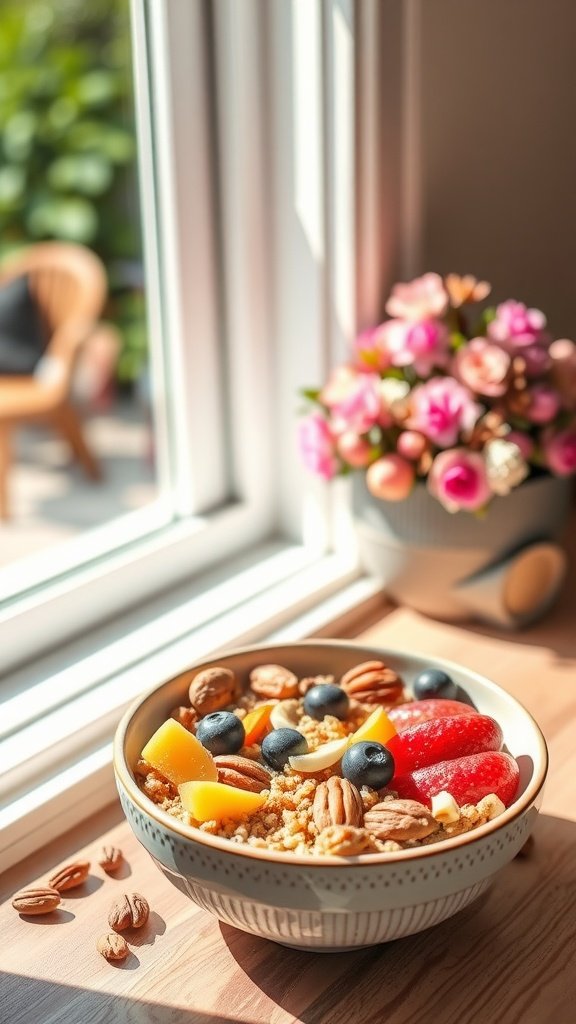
column 471, row 405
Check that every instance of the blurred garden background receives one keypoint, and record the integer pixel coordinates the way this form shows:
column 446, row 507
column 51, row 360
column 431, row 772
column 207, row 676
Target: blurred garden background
column 68, row 172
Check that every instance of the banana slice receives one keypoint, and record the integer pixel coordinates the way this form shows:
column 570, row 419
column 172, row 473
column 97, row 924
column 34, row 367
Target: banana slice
column 283, row 715
column 323, row 757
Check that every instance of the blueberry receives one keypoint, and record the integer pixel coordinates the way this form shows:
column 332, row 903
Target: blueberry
column 326, row 699
column 433, row 683
column 221, row 732
column 368, row 764
column 280, row 744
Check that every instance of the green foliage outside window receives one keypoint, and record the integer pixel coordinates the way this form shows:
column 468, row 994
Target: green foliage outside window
column 67, row 144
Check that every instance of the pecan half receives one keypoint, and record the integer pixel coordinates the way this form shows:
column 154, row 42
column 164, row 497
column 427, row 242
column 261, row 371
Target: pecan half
column 337, row 802
column 36, row 901
column 372, row 682
column 70, row 876
column 188, row 717
column 112, row 946
column 130, row 910
column 242, row 773
column 343, row 841
column 400, row 820
column 273, row 681
column 111, row 858
column 212, row 689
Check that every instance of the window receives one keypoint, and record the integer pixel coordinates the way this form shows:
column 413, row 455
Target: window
column 251, row 119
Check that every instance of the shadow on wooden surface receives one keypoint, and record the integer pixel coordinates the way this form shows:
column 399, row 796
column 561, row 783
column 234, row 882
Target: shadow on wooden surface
column 504, row 958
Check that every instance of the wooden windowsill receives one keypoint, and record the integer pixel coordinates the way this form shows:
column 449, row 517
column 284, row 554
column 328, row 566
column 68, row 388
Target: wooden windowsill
column 506, row 958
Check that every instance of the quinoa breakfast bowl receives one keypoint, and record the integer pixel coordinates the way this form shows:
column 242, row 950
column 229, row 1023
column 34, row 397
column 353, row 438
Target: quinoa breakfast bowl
column 327, row 795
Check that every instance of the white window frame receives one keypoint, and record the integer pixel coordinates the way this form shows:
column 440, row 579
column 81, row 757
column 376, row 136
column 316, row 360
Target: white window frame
column 287, row 556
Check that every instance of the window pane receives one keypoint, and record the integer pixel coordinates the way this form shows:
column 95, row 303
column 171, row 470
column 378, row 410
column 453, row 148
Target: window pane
column 77, row 440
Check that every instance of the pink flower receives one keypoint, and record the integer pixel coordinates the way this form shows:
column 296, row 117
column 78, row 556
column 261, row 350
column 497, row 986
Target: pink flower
column 390, row 478
column 544, row 403
column 421, row 299
column 537, row 360
column 353, row 449
column 371, row 349
column 360, row 409
column 317, row 446
column 560, row 451
column 441, row 408
column 458, row 480
column 515, row 325
column 483, row 367
column 423, row 345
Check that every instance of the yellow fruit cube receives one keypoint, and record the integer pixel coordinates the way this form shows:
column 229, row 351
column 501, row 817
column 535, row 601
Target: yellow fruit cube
column 212, row 801
column 178, row 755
column 376, row 729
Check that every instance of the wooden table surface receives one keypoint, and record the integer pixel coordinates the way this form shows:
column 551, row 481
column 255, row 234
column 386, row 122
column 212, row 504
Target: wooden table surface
column 509, row 958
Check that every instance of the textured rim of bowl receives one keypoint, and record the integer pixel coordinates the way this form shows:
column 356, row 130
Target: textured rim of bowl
column 171, row 824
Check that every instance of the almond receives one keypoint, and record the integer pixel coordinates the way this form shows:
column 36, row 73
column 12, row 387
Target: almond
column 337, row 802
column 372, row 682
column 36, row 901
column 273, row 681
column 242, row 773
column 70, row 876
column 212, row 689
column 400, row 820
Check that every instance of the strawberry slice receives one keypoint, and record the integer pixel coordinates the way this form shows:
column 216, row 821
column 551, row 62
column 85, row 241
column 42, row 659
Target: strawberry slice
column 421, row 710
column 468, row 779
column 442, row 739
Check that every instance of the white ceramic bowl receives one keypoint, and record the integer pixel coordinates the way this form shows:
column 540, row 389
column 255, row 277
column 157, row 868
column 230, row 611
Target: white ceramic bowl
column 328, row 903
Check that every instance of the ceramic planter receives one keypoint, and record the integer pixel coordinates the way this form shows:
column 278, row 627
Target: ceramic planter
column 504, row 567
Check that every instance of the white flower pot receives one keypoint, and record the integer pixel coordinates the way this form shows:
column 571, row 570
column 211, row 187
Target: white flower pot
column 504, row 567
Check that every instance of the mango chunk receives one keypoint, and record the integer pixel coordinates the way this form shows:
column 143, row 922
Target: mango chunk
column 212, row 801
column 376, row 729
column 256, row 724
column 178, row 755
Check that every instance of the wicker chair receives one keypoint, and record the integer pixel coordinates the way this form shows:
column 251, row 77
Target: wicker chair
column 68, row 283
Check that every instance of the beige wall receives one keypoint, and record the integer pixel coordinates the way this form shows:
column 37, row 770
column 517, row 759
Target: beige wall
column 498, row 147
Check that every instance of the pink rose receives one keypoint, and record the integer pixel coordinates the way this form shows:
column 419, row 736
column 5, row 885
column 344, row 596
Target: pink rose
column 441, row 408
column 515, row 326
column 544, row 403
column 458, row 480
column 423, row 345
column 421, row 299
column 537, row 360
column 560, row 451
column 371, row 349
column 360, row 409
column 483, row 367
column 317, row 446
